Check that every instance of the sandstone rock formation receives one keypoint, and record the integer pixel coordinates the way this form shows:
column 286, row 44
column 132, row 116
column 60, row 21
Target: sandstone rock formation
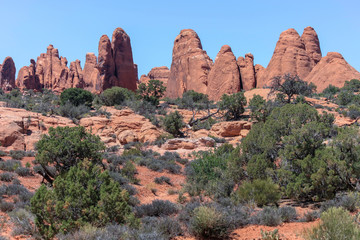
column 49, row 71
column 114, row 67
column 224, row 76
column 27, row 78
column 7, row 74
column 247, row 71
column 230, row 129
column 312, row 45
column 332, row 69
column 183, row 143
column 21, row 129
column 125, row 71
column 190, row 65
column 157, row 73
column 290, row 56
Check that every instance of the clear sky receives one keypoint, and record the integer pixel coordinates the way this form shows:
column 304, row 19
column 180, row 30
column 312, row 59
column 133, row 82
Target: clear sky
column 75, row 27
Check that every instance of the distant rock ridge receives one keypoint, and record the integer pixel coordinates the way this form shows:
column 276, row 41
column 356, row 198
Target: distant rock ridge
column 113, row 67
column 157, row 73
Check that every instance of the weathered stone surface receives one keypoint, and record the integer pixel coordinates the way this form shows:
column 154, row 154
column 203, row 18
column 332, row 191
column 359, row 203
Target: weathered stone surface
column 332, row 69
column 190, row 65
column 21, row 129
column 259, row 73
column 312, row 45
column 247, row 71
column 27, row 78
column 289, row 56
column 105, row 65
column 75, row 75
column 7, row 74
column 91, row 74
column 157, row 73
column 125, row 71
column 230, row 129
column 183, row 143
column 224, row 76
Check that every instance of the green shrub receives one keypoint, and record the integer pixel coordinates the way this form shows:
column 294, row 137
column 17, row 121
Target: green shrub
column 152, row 91
column 17, row 154
column 336, row 223
column 77, row 97
column 6, row 176
column 157, row 208
column 173, row 123
column 116, row 96
column 65, row 147
column 233, row 105
column 6, row 206
column 262, row 192
column 162, row 179
column 352, row 85
column 71, row 111
column 24, row 223
column 208, row 223
column 270, row 235
column 287, row 214
column 83, row 195
column 269, row 216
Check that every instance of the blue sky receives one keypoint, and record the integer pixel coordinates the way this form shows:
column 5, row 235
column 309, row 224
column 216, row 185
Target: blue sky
column 75, row 27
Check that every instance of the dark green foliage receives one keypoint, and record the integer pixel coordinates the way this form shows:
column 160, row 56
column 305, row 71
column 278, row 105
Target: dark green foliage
column 152, row 91
column 289, row 86
column 330, row 91
column 194, row 101
column 206, row 124
column 77, row 97
column 173, row 123
column 352, row 85
column 336, row 223
column 116, row 96
column 260, row 108
column 83, row 195
column 17, row 154
column 233, row 105
column 344, row 98
column 211, row 172
column 295, row 134
column 156, row 209
column 65, row 147
column 262, row 192
column 71, row 111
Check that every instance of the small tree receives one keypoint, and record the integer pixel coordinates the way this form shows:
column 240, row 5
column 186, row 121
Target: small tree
column 173, row 123
column 116, row 96
column 288, row 86
column 152, row 92
column 65, row 147
column 233, row 105
column 76, row 96
column 84, row 195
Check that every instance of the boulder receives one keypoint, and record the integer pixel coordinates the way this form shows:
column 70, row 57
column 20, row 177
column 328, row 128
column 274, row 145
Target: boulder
column 7, row 74
column 332, row 69
column 190, row 65
column 189, row 144
column 247, row 71
column 127, row 136
column 230, row 129
column 224, row 76
column 27, row 78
